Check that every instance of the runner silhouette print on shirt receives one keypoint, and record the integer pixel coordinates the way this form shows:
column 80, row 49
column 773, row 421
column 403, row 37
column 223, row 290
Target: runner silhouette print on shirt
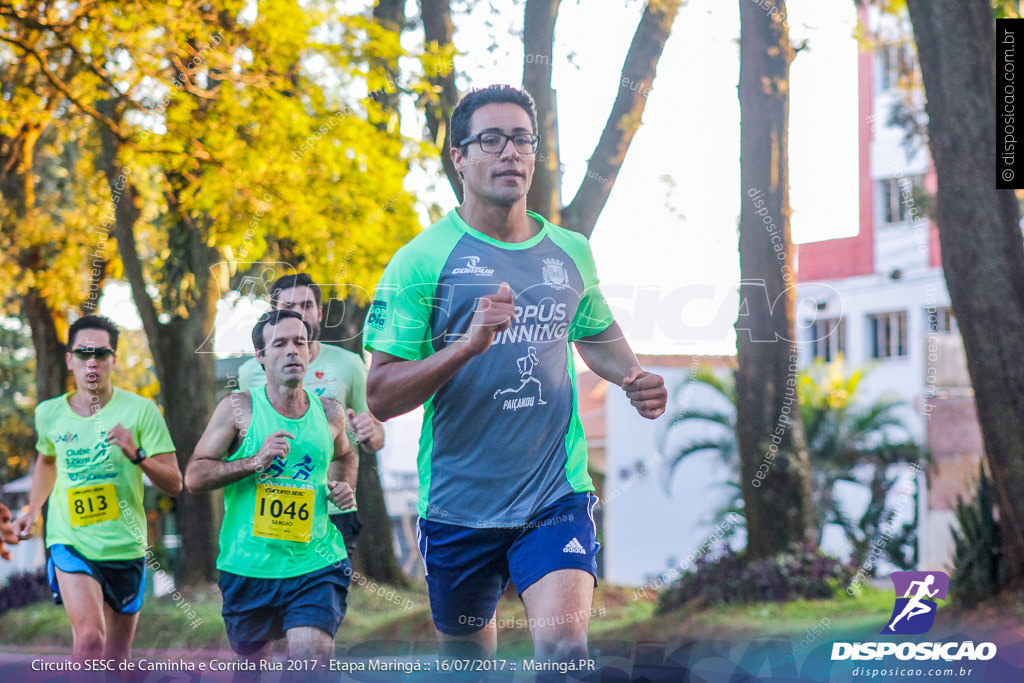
column 525, row 365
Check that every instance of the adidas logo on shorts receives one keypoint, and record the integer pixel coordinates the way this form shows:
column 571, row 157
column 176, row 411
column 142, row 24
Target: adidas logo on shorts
column 574, row 546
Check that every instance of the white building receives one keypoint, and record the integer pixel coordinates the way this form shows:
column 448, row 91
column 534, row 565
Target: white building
column 880, row 297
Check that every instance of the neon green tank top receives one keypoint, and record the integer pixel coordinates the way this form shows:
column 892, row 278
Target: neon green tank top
column 275, row 523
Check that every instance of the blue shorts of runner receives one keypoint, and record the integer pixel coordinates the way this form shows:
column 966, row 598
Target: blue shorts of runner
column 468, row 568
column 120, row 580
column 349, row 525
column 258, row 611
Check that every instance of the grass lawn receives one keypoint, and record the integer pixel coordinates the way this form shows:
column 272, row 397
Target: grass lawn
column 387, row 621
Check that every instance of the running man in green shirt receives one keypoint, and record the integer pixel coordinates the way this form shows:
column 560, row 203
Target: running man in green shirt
column 333, row 372
column 474, row 319
column 94, row 445
column 280, row 453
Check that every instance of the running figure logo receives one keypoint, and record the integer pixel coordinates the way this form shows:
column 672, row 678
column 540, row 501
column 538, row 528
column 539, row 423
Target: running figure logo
column 525, row 364
column 300, row 470
column 916, row 592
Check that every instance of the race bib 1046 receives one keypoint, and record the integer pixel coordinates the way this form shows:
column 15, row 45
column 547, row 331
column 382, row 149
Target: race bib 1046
column 92, row 504
column 284, row 513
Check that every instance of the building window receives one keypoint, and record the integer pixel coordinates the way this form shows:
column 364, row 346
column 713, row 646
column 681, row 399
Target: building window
column 888, row 334
column 940, row 319
column 899, row 196
column 828, row 339
column 896, row 61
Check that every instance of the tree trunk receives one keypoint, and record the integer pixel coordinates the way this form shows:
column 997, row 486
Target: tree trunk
column 51, row 370
column 17, row 187
column 342, row 324
column 545, row 195
column 389, row 15
column 186, row 376
column 636, row 80
column 774, row 463
column 437, row 29
column 375, row 552
column 980, row 236
column 638, row 71
column 187, row 390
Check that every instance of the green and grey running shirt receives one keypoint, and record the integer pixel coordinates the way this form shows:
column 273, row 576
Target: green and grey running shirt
column 501, row 440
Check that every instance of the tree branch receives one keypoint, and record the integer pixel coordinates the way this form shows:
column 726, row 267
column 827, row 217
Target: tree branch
column 538, row 45
column 126, row 213
column 638, row 73
column 437, row 28
column 63, row 88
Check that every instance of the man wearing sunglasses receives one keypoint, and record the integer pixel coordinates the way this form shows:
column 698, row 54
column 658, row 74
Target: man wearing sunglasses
column 94, row 446
column 489, row 294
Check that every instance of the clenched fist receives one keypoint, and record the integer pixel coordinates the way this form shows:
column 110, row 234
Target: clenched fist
column 646, row 392
column 274, row 446
column 494, row 313
column 341, row 494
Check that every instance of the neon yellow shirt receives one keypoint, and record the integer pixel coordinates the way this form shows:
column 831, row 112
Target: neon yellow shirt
column 96, row 503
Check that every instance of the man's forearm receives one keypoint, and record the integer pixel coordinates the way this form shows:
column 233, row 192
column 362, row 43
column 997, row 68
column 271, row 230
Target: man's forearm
column 376, row 442
column 44, row 477
column 162, row 470
column 344, row 469
column 399, row 386
column 207, row 474
column 608, row 354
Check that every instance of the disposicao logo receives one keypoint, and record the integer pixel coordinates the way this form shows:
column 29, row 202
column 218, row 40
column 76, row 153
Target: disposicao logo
column 916, row 593
column 913, row 613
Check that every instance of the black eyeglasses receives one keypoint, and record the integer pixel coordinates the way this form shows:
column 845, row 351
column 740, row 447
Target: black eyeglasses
column 494, row 143
column 85, row 353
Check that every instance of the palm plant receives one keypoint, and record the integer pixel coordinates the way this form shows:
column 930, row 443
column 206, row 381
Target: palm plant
column 711, row 428
column 859, row 444
column 848, row 442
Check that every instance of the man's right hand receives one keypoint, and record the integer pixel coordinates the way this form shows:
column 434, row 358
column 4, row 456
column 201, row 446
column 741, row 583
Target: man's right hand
column 494, row 313
column 274, row 446
column 23, row 526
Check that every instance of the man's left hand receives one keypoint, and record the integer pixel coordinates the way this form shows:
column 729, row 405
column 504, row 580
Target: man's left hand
column 341, row 494
column 646, row 391
column 123, row 439
column 369, row 432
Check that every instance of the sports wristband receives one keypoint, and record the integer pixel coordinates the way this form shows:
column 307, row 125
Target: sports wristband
column 140, row 455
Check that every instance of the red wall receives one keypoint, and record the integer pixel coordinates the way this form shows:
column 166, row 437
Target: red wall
column 833, row 259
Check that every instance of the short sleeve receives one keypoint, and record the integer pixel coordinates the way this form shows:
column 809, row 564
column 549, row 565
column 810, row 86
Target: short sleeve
column 154, row 437
column 593, row 315
column 357, row 386
column 251, row 375
column 43, row 443
column 398, row 321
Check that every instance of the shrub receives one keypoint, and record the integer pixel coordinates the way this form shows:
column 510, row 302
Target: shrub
column 800, row 572
column 978, row 572
column 24, row 589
